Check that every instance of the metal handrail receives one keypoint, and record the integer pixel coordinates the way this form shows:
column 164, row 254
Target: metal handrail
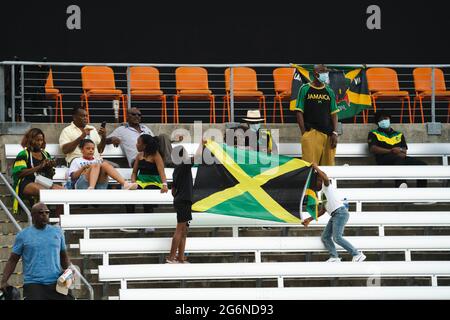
column 433, row 128
column 15, row 195
column 83, row 279
column 19, row 228
column 217, row 65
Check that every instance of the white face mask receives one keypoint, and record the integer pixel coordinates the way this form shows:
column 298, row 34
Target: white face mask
column 324, row 77
column 384, row 124
column 255, row 127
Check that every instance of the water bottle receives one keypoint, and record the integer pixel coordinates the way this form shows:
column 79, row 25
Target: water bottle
column 346, row 205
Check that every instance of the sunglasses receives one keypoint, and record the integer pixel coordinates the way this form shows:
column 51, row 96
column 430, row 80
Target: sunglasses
column 136, row 114
column 44, row 211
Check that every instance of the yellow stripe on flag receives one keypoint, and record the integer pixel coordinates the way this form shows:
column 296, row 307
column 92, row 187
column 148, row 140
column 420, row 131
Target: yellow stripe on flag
column 248, row 184
column 351, row 75
column 357, row 98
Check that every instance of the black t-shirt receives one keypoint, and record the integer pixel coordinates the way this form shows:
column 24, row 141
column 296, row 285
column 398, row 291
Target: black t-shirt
column 388, row 139
column 317, row 105
column 182, row 182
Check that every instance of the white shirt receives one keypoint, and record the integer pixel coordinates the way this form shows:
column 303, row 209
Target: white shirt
column 128, row 137
column 333, row 199
column 71, row 133
column 77, row 163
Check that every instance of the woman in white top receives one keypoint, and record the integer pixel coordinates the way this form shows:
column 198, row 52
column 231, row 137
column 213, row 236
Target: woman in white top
column 339, row 217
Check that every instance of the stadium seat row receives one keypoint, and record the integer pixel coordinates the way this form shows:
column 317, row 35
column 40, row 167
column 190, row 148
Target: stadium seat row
column 192, row 84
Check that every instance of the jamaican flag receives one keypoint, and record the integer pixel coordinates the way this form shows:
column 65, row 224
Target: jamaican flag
column 256, row 185
column 349, row 85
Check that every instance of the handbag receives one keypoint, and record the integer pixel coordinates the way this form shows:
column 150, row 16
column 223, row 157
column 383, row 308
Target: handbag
column 43, row 181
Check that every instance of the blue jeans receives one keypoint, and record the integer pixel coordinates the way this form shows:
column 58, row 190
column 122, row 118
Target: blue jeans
column 334, row 231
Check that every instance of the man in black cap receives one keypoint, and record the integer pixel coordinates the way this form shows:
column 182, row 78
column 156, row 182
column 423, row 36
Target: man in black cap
column 390, row 148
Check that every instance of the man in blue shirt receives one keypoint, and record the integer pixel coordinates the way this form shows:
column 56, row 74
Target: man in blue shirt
column 44, row 257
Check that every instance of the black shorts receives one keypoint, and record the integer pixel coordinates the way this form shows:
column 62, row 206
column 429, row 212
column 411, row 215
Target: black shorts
column 184, row 211
column 34, row 291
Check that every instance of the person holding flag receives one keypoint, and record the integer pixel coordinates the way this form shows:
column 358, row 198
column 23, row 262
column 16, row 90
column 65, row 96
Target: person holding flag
column 316, row 111
column 339, row 217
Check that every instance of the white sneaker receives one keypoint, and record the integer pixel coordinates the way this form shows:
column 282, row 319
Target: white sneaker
column 403, row 185
column 129, row 230
column 425, row 203
column 334, row 260
column 174, row 261
column 359, row 258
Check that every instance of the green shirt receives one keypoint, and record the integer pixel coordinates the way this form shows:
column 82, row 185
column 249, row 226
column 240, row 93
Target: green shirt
column 317, row 105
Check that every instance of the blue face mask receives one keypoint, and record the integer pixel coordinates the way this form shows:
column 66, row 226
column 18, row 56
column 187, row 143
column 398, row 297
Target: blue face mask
column 324, row 77
column 384, row 124
column 255, row 127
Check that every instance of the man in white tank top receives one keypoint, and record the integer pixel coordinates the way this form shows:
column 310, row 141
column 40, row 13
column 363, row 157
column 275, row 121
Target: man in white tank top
column 339, row 217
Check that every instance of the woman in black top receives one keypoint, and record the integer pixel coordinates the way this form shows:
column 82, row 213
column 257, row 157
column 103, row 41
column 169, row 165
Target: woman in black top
column 148, row 168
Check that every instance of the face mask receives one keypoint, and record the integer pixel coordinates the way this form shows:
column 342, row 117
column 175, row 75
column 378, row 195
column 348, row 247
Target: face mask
column 255, row 126
column 35, row 149
column 324, row 77
column 384, row 124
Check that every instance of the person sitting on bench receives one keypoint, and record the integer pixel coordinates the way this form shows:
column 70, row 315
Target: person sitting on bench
column 390, row 148
column 89, row 172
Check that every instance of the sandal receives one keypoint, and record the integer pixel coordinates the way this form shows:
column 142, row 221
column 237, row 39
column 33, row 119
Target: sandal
column 185, row 260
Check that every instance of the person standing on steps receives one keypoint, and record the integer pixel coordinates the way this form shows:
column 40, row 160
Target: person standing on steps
column 339, row 216
column 317, row 119
column 44, row 256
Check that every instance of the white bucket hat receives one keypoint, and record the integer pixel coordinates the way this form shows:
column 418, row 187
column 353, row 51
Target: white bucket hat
column 253, row 116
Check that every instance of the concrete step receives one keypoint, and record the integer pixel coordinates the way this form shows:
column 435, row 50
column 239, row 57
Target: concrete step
column 5, row 253
column 20, row 216
column 7, row 227
column 16, row 279
column 19, row 267
column 7, row 240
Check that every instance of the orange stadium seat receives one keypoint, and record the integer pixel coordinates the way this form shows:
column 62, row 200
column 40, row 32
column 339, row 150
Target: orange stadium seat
column 145, row 85
column 383, row 85
column 192, row 84
column 282, row 78
column 53, row 94
column 423, row 88
column 98, row 84
column 245, row 88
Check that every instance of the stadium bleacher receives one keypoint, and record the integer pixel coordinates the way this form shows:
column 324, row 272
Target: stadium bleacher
column 108, row 256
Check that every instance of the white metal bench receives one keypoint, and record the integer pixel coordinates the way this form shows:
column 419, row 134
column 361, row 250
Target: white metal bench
column 105, row 197
column 119, row 197
column 259, row 245
column 11, row 151
column 344, row 150
column 310, row 293
column 87, row 222
column 277, row 270
column 336, row 173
